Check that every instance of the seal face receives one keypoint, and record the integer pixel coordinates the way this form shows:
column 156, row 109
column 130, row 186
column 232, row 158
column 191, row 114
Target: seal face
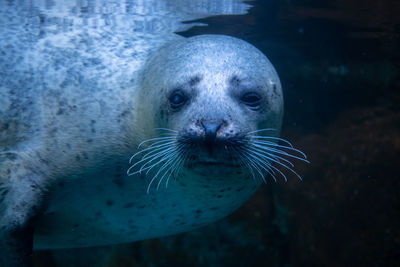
column 210, row 93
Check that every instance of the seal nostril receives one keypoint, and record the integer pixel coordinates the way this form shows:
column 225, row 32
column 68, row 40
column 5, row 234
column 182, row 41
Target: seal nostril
column 211, row 128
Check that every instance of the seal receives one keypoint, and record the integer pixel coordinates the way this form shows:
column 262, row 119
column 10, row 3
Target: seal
column 200, row 126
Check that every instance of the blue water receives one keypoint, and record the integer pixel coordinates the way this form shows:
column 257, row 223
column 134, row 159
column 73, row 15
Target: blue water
column 339, row 66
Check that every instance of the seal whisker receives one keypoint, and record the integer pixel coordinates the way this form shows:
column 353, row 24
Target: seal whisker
column 163, row 156
column 183, row 156
column 245, row 160
column 264, row 165
column 156, row 139
column 271, row 138
column 261, row 130
column 276, row 156
column 160, row 161
column 272, row 144
column 249, row 163
column 150, row 158
column 173, row 167
column 279, row 151
column 177, row 167
column 172, row 164
column 169, row 176
column 280, row 163
column 283, row 175
column 252, row 163
column 153, row 149
column 164, row 151
column 162, row 142
column 270, row 166
column 168, row 159
column 267, row 155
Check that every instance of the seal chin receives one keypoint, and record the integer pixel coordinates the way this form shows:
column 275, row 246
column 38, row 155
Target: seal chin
column 214, row 168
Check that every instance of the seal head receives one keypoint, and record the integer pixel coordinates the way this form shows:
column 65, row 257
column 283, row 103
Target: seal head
column 211, row 92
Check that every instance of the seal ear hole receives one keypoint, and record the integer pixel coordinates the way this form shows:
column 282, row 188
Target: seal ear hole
column 177, row 99
column 251, row 99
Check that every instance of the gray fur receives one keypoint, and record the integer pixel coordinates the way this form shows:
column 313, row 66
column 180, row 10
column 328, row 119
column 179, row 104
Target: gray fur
column 86, row 138
column 101, row 205
column 68, row 128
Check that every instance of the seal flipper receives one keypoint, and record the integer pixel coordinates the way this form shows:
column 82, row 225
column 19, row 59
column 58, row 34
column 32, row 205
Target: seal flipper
column 20, row 203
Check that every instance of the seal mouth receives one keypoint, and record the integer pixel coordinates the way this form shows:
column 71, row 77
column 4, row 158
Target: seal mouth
column 163, row 157
column 218, row 152
column 212, row 157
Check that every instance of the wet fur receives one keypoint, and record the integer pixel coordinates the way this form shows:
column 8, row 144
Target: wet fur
column 72, row 146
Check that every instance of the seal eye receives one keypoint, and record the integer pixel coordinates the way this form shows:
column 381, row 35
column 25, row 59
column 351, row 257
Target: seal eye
column 177, row 99
column 251, row 99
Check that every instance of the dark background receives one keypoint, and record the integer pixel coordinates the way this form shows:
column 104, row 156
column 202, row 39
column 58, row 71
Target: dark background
column 339, row 65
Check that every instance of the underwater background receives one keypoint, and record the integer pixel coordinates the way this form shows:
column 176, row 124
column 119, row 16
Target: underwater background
column 338, row 61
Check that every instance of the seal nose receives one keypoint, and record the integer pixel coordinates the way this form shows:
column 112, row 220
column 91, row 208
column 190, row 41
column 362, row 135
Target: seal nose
column 211, row 128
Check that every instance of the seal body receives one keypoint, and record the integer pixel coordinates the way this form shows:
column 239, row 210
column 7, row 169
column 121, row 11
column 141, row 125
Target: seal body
column 187, row 121
column 113, row 129
column 92, row 201
column 84, row 138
